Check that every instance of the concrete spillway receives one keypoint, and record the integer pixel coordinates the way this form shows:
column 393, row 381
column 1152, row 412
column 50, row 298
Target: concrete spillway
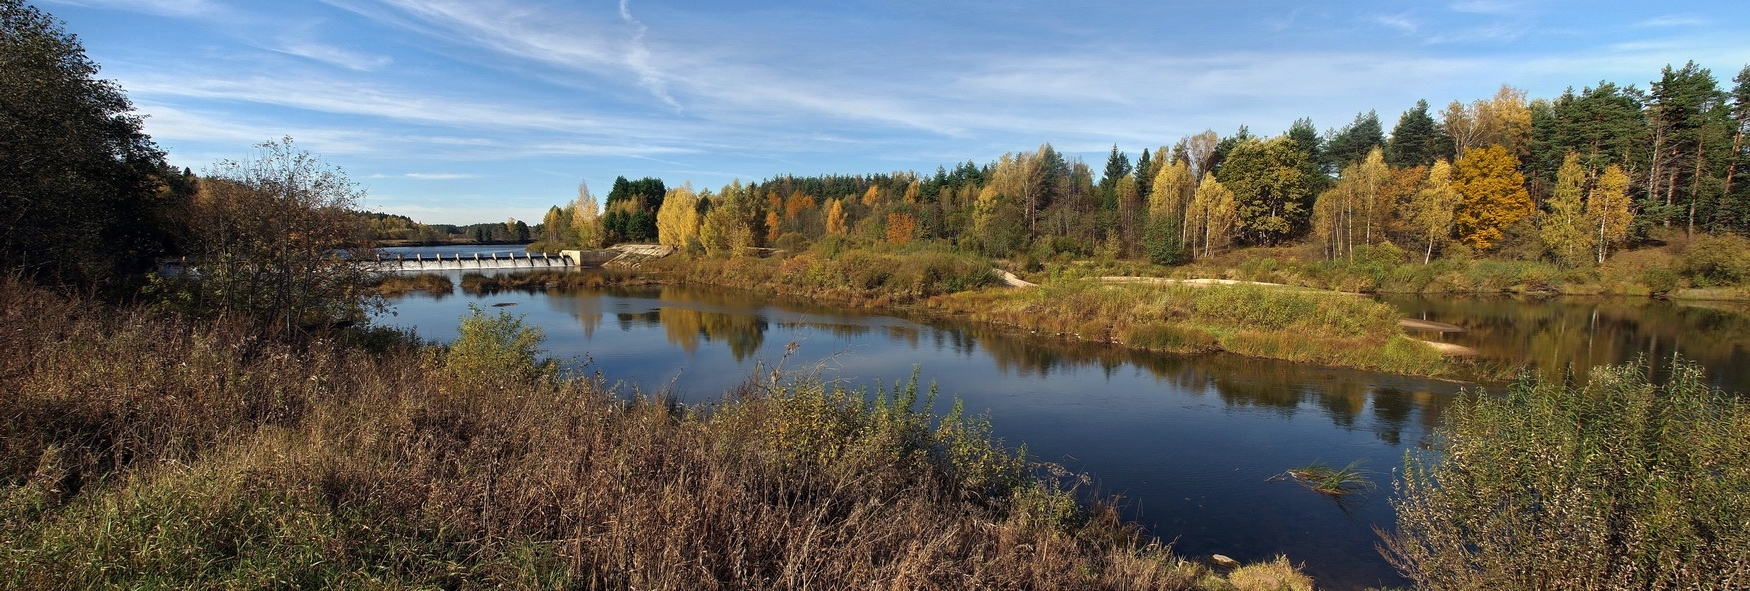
column 422, row 263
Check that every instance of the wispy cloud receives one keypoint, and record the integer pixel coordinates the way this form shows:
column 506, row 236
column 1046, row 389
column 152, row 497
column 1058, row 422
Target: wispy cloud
column 1672, row 20
column 332, row 55
column 175, row 8
column 1401, row 22
column 427, row 176
column 1485, row 7
column 638, row 57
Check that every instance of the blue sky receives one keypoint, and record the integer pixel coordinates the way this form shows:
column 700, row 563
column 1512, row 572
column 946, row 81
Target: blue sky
column 462, row 111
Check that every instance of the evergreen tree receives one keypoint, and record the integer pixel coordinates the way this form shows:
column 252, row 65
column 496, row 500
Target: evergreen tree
column 1117, row 167
column 1353, row 142
column 1689, row 119
column 1415, row 140
column 1144, row 173
column 1734, row 199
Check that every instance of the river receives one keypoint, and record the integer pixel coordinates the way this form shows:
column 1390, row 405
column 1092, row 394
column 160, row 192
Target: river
column 1189, row 443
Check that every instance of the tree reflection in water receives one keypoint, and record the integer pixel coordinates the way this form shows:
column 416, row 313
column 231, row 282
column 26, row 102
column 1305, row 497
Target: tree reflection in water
column 1556, row 337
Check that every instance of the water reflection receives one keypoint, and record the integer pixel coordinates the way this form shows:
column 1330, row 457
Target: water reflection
column 1190, row 441
column 1556, row 337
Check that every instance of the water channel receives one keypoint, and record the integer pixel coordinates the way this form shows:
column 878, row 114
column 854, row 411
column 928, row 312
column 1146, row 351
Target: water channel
column 1190, row 443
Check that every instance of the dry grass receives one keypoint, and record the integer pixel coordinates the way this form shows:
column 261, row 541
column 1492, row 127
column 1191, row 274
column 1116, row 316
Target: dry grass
column 146, row 451
column 1292, row 325
column 395, row 285
column 865, row 277
column 479, row 283
column 1614, row 484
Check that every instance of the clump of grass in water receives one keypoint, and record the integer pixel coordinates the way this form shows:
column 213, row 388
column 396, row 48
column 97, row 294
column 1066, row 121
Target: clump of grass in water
column 1331, row 481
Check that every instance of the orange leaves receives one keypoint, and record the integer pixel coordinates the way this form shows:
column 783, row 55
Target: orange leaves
column 901, row 227
column 1494, row 195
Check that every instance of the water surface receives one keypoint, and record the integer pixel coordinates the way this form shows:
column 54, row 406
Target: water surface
column 1190, row 443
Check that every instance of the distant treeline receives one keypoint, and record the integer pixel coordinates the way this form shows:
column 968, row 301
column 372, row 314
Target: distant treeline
column 1565, row 179
column 391, row 229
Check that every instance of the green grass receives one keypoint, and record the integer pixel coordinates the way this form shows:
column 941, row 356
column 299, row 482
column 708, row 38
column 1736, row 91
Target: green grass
column 1336, row 482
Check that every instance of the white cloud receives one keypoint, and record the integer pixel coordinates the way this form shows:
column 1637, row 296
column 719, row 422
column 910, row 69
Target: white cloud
column 427, row 176
column 1672, row 20
column 335, row 56
column 1484, row 7
column 638, row 57
column 174, row 8
column 1401, row 22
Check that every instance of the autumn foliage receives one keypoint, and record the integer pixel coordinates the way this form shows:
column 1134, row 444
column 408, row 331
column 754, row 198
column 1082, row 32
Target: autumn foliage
column 1494, row 195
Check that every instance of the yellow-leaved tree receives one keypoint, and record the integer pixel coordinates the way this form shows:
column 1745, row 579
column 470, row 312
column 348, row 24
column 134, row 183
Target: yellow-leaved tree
column 901, row 227
column 678, row 221
column 1494, row 195
column 1430, row 209
column 1564, row 229
column 585, row 229
column 835, row 217
column 1607, row 210
column 1171, row 193
column 1214, row 214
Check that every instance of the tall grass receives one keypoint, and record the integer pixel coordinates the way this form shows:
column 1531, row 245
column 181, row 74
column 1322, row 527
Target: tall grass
column 870, row 276
column 1614, row 484
column 149, row 451
column 1311, row 327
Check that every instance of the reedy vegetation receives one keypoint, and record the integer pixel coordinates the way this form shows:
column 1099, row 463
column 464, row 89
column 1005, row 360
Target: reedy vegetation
column 1309, row 327
column 151, row 450
column 1614, row 484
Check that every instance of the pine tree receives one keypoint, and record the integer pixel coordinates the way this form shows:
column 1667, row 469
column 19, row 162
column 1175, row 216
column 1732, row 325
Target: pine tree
column 1353, row 142
column 1415, row 140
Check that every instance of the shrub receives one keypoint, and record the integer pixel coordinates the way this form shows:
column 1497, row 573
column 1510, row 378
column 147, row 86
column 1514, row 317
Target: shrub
column 495, row 348
column 1716, row 261
column 1617, row 484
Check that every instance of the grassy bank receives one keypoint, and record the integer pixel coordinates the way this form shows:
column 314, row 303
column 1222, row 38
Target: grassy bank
column 479, row 283
column 869, row 277
column 1706, row 267
column 1293, row 325
column 1301, row 326
column 151, row 451
column 395, row 285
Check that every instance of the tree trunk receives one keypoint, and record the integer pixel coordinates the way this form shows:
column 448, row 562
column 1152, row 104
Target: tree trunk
column 1695, row 183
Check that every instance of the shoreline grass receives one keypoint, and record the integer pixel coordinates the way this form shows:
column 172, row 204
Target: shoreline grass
column 151, row 450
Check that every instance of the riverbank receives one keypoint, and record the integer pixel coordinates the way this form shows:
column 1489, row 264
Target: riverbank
column 1705, row 268
column 146, row 449
column 1298, row 325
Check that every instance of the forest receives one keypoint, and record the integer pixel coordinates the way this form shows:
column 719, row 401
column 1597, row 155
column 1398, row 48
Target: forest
column 1568, row 180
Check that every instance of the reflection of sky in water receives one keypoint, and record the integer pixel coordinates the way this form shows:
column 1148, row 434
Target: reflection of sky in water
column 1189, row 442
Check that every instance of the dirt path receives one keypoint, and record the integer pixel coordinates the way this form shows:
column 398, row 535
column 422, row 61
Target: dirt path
column 1011, row 280
column 1430, row 325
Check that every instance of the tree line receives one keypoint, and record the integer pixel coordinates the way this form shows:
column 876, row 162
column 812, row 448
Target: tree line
column 1568, row 179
